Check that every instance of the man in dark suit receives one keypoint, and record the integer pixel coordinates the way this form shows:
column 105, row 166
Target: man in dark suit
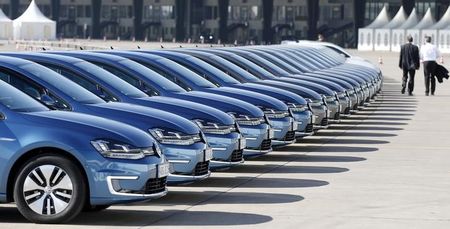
column 409, row 63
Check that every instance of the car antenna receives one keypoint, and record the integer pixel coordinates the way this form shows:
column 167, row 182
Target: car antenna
column 111, row 47
column 43, row 49
column 139, row 47
column 162, row 46
column 196, row 46
column 81, row 48
column 181, row 46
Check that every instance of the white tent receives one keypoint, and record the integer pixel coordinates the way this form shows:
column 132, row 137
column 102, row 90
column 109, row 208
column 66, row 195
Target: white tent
column 33, row 25
column 398, row 34
column 444, row 40
column 383, row 36
column 366, row 34
column 426, row 22
column 6, row 26
column 435, row 30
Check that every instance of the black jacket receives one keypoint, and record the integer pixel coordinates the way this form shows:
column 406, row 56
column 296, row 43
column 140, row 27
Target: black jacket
column 409, row 57
column 441, row 72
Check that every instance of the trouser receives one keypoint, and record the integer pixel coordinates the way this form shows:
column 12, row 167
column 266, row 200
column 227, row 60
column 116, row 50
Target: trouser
column 428, row 68
column 405, row 82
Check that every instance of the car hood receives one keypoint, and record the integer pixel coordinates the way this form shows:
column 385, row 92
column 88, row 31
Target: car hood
column 143, row 117
column 254, row 98
column 348, row 80
column 326, row 83
column 277, row 93
column 302, row 91
column 187, row 109
column 91, row 126
column 220, row 102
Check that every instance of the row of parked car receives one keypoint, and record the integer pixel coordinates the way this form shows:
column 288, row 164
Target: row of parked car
column 82, row 130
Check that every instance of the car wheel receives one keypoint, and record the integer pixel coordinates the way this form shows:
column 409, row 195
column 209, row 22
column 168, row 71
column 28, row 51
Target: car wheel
column 49, row 189
column 95, row 208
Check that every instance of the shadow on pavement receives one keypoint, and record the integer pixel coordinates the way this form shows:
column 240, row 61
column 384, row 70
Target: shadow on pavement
column 285, row 169
column 328, row 149
column 361, row 127
column 211, row 197
column 141, row 218
column 354, row 134
column 258, row 182
column 370, row 117
column 306, row 158
column 388, row 110
column 339, row 141
column 348, row 122
column 374, row 113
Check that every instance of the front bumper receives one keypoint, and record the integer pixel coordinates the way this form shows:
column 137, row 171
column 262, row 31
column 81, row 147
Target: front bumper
column 284, row 131
column 227, row 149
column 259, row 139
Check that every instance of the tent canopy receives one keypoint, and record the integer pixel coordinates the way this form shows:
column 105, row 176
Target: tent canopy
column 381, row 20
column 412, row 20
column 444, row 21
column 426, row 22
column 33, row 14
column 397, row 21
column 3, row 17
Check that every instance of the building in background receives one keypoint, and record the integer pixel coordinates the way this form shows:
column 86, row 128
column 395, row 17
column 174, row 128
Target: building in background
column 226, row 21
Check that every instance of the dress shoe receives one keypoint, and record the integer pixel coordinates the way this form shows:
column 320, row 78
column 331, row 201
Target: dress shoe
column 410, row 93
column 426, row 94
column 403, row 91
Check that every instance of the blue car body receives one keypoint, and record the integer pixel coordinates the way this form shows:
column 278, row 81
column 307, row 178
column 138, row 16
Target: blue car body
column 280, row 118
column 189, row 162
column 197, row 62
column 252, row 121
column 316, row 101
column 29, row 130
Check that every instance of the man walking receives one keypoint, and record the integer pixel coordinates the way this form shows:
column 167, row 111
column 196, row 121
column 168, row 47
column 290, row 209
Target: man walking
column 409, row 63
column 429, row 54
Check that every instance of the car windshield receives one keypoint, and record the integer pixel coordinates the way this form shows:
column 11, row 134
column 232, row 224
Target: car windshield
column 226, row 64
column 18, row 101
column 213, row 70
column 113, row 81
column 152, row 75
column 65, row 85
column 185, row 73
column 269, row 66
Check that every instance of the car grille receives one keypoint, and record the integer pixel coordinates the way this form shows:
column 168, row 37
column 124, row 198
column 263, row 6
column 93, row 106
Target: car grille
column 290, row 135
column 236, row 156
column 155, row 185
column 309, row 128
column 202, row 168
column 324, row 122
column 266, row 144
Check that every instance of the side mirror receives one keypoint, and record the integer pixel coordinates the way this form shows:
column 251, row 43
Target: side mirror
column 47, row 100
column 2, row 116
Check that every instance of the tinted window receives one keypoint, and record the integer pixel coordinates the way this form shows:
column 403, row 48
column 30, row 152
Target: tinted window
column 17, row 100
column 155, row 77
column 111, row 79
column 186, row 73
column 68, row 87
column 213, row 70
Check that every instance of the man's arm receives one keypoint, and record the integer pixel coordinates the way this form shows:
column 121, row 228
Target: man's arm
column 416, row 57
column 400, row 63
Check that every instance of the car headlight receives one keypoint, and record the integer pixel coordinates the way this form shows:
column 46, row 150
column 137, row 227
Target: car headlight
column 271, row 113
column 246, row 120
column 214, row 128
column 174, row 138
column 297, row 107
column 119, row 150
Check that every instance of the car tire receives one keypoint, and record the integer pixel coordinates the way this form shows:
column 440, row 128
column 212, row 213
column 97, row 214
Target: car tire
column 95, row 208
column 50, row 189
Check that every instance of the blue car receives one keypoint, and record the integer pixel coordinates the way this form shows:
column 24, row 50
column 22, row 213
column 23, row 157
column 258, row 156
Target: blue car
column 181, row 140
column 252, row 122
column 315, row 101
column 273, row 64
column 297, row 104
column 56, row 163
column 276, row 111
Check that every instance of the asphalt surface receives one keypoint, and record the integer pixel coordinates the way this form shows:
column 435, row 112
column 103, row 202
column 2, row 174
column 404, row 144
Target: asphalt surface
column 388, row 166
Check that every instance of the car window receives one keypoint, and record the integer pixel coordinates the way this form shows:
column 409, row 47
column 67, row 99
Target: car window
column 186, row 73
column 202, row 74
column 167, row 75
column 85, row 83
column 33, row 90
column 147, row 89
column 16, row 100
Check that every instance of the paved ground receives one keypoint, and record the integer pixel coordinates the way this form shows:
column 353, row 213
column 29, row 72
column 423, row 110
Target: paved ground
column 386, row 167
